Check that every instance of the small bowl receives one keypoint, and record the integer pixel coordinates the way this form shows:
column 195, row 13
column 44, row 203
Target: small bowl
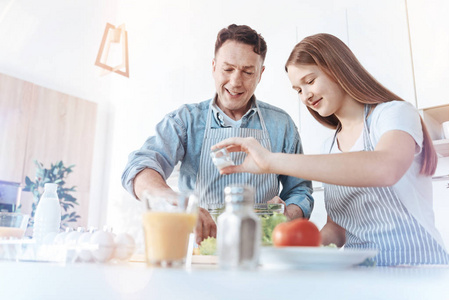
column 13, row 225
column 221, row 158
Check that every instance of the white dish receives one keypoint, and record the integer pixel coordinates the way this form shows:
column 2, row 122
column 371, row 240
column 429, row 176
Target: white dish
column 205, row 259
column 313, row 257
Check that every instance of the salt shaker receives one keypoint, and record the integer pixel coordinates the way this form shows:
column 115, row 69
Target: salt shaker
column 238, row 235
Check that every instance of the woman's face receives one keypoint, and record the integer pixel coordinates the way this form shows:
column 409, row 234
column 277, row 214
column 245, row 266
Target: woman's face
column 316, row 89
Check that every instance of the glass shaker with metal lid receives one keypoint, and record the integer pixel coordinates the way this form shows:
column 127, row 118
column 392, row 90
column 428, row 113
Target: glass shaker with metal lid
column 238, row 234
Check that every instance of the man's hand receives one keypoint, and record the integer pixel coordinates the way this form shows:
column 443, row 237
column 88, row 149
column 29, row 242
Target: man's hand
column 205, row 226
column 291, row 211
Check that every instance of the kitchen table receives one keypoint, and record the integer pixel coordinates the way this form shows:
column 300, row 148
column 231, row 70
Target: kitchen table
column 32, row 280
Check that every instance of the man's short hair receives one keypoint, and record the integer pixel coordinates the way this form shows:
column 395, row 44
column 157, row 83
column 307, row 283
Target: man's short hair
column 242, row 34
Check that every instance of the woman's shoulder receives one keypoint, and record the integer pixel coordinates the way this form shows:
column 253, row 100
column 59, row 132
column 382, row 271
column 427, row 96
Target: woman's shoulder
column 394, row 106
column 396, row 115
column 394, row 111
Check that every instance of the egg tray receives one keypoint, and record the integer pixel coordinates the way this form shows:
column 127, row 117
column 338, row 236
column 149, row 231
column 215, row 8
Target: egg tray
column 27, row 250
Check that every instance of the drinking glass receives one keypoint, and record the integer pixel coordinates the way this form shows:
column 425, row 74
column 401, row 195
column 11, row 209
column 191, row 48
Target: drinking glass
column 168, row 222
column 13, row 225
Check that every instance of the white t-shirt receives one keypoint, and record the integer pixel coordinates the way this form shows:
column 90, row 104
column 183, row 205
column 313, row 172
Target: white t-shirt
column 414, row 190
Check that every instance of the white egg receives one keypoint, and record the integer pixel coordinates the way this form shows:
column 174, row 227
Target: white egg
column 60, row 238
column 124, row 246
column 71, row 239
column 105, row 242
column 84, row 245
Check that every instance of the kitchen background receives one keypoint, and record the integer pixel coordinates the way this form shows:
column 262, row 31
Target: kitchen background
column 55, row 104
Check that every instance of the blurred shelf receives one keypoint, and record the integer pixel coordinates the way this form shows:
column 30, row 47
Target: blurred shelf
column 442, row 178
column 434, row 117
column 442, row 147
column 439, row 113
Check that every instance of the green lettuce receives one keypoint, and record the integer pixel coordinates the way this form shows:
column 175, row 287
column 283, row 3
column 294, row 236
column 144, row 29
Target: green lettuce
column 268, row 223
column 208, row 246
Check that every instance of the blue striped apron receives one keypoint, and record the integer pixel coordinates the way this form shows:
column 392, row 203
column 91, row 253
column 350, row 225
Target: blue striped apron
column 210, row 184
column 375, row 217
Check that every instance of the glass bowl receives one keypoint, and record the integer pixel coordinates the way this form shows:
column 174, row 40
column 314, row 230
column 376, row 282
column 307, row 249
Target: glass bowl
column 261, row 209
column 268, row 209
column 13, row 225
column 270, row 215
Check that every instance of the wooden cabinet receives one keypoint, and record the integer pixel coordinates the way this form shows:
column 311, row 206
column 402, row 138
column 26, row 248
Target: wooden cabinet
column 15, row 110
column 37, row 123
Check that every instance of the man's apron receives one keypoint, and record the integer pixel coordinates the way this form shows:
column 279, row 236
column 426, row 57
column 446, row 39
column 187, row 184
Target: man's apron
column 210, row 184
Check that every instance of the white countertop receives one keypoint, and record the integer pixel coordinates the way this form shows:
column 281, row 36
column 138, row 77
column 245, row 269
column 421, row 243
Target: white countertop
column 31, row 280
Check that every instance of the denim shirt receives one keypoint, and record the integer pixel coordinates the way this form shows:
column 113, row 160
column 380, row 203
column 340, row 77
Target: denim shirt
column 179, row 137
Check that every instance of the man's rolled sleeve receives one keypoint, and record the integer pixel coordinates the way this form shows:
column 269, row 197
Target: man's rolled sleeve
column 296, row 190
column 300, row 195
column 160, row 152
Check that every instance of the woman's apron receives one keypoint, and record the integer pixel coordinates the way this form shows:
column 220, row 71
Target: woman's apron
column 375, row 217
column 210, row 184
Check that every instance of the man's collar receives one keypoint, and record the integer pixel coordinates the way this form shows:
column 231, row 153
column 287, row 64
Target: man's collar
column 217, row 112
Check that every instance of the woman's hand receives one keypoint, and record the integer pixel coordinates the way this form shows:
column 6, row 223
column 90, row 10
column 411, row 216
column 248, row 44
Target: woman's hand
column 257, row 160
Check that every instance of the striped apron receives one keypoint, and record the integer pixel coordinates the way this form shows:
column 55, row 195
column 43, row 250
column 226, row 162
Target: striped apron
column 210, row 184
column 375, row 217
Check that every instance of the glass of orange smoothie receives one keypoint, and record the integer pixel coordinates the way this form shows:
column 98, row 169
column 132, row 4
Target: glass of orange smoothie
column 168, row 222
column 12, row 225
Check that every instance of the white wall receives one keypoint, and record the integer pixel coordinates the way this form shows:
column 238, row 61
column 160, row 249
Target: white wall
column 54, row 43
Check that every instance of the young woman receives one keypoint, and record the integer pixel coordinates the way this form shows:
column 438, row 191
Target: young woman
column 378, row 166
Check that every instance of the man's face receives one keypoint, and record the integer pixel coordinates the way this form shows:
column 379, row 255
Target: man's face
column 237, row 70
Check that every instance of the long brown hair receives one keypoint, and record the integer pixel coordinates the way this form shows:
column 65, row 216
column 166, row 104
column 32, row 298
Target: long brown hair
column 334, row 58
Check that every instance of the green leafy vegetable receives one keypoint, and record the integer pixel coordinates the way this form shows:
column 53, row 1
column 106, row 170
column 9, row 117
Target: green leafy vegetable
column 268, row 223
column 208, row 246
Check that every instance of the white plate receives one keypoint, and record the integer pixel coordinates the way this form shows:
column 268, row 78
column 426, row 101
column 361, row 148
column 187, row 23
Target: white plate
column 313, row 257
column 205, row 259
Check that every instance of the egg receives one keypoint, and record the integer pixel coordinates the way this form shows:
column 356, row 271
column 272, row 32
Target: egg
column 71, row 240
column 105, row 242
column 84, row 245
column 60, row 238
column 124, row 246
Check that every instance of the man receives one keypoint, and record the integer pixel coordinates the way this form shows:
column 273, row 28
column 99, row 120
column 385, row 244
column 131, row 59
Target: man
column 187, row 134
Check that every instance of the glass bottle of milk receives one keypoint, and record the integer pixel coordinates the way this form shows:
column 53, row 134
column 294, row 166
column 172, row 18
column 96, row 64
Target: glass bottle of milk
column 48, row 213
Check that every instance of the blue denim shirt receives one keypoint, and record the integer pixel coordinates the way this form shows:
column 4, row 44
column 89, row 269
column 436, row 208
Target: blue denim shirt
column 179, row 137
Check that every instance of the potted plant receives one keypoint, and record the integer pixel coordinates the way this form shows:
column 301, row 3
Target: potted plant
column 55, row 174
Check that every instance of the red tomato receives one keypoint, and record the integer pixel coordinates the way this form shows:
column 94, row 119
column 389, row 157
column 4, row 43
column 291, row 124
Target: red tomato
column 298, row 232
